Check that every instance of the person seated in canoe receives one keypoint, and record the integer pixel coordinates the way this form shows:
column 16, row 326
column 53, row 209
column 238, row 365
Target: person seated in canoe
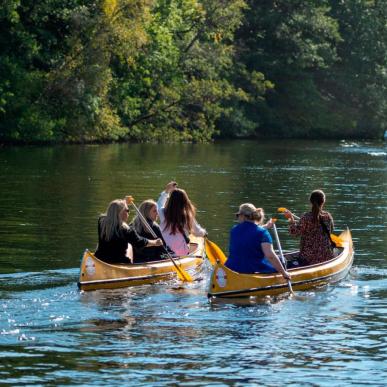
column 114, row 234
column 177, row 219
column 314, row 228
column 148, row 209
column 251, row 246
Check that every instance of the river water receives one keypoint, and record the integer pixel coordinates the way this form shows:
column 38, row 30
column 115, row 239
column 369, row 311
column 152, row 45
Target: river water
column 167, row 334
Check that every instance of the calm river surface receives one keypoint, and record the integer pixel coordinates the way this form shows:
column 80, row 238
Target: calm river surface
column 52, row 334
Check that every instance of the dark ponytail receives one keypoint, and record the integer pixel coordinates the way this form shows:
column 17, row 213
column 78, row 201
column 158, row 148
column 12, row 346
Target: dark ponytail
column 317, row 198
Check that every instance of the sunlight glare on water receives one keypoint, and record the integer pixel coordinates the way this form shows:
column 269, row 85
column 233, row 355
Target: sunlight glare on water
column 169, row 333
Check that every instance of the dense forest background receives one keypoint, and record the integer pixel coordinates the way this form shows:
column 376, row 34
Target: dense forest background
column 191, row 70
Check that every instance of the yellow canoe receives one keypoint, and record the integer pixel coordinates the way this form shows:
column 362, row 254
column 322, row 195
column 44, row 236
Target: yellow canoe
column 96, row 274
column 227, row 283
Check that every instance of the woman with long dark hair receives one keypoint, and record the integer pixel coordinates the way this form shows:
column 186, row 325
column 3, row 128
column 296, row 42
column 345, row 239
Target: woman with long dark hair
column 177, row 219
column 314, row 228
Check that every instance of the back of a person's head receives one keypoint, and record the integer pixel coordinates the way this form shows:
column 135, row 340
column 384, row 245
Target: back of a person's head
column 179, row 211
column 178, row 199
column 317, row 197
column 114, row 209
column 250, row 212
column 111, row 221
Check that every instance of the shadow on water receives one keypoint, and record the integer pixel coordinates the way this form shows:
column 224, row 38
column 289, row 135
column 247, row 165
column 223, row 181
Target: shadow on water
column 21, row 282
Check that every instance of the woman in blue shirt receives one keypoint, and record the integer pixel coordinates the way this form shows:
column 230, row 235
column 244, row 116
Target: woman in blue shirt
column 251, row 246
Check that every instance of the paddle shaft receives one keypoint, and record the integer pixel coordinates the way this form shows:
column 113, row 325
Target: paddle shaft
column 283, row 260
column 149, row 228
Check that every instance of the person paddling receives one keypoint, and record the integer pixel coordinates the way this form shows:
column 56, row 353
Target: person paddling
column 251, row 246
column 148, row 210
column 177, row 219
column 314, row 228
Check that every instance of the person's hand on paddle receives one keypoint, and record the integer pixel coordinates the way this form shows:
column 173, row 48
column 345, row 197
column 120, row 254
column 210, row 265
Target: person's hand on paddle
column 269, row 224
column 155, row 242
column 170, row 187
column 286, row 275
column 288, row 215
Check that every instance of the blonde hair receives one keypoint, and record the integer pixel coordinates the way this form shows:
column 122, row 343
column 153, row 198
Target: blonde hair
column 259, row 215
column 144, row 208
column 251, row 212
column 111, row 222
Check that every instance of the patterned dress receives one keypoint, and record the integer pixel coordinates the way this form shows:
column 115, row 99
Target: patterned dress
column 315, row 245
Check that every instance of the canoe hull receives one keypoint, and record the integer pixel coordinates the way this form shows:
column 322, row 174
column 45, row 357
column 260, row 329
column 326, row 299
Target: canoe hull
column 229, row 284
column 96, row 274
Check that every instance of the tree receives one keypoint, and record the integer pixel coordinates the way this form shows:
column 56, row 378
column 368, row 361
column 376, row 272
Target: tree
column 176, row 88
column 285, row 45
column 358, row 80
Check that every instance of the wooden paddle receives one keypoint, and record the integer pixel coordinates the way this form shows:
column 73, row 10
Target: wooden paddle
column 214, row 253
column 283, row 260
column 181, row 273
column 336, row 239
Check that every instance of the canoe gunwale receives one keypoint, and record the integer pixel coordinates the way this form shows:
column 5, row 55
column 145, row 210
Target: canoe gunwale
column 123, row 279
column 146, row 264
column 327, row 278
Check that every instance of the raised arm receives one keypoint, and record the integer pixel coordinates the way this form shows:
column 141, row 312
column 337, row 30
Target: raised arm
column 161, row 205
column 198, row 230
column 162, row 200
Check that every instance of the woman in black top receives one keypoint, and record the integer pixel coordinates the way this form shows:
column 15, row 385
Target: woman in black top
column 114, row 234
column 148, row 209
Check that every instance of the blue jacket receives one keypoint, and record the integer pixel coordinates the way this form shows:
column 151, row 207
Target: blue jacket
column 246, row 255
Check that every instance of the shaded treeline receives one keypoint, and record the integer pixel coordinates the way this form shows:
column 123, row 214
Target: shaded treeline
column 191, row 70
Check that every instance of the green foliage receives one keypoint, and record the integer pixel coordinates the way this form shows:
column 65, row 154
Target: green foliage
column 175, row 90
column 285, row 44
column 359, row 80
column 191, row 70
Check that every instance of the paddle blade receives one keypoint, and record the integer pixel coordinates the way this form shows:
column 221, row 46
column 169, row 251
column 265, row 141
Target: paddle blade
column 214, row 253
column 282, row 210
column 182, row 274
column 129, row 199
column 337, row 240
